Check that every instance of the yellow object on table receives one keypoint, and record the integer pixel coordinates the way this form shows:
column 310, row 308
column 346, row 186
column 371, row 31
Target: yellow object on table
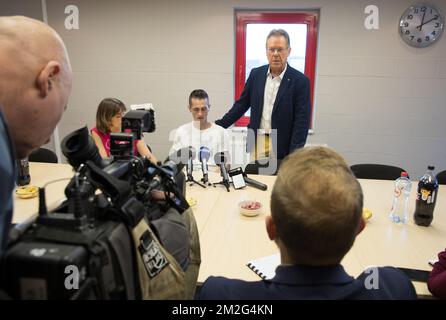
column 192, row 202
column 27, row 192
column 366, row 213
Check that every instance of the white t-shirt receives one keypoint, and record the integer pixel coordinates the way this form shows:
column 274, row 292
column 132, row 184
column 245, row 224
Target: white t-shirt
column 215, row 138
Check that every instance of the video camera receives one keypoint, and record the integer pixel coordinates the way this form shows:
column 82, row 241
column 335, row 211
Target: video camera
column 140, row 118
column 87, row 247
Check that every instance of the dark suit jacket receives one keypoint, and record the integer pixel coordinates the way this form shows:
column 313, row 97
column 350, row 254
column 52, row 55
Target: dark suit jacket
column 8, row 178
column 291, row 111
column 298, row 282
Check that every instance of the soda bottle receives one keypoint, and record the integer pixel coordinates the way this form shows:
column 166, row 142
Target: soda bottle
column 403, row 185
column 23, row 177
column 426, row 198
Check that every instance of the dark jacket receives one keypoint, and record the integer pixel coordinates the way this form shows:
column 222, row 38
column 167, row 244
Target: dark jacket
column 7, row 182
column 291, row 111
column 437, row 277
column 298, row 282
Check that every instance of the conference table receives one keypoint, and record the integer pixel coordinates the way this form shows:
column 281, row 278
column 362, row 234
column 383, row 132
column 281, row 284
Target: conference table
column 56, row 175
column 229, row 240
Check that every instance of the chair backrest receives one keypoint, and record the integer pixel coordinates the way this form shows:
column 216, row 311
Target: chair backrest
column 376, row 171
column 43, row 155
column 441, row 177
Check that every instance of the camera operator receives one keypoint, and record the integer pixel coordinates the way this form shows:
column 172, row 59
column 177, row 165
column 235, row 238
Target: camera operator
column 161, row 223
column 35, row 82
column 109, row 120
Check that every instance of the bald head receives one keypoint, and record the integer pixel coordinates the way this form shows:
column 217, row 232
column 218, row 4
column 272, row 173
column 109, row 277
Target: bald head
column 35, row 81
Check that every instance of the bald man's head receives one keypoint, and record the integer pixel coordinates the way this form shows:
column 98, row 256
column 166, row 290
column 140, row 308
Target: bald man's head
column 35, row 81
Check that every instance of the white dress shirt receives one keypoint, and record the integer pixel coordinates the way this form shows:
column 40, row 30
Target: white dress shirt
column 271, row 88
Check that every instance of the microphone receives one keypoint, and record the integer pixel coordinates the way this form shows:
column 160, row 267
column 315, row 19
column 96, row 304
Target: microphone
column 204, row 157
column 220, row 159
column 190, row 167
column 191, row 153
column 182, row 157
column 255, row 184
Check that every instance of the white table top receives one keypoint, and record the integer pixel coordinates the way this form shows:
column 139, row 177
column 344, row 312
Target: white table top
column 42, row 173
column 229, row 240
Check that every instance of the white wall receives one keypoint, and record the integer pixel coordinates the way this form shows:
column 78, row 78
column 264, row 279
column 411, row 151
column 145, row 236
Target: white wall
column 377, row 100
column 29, row 8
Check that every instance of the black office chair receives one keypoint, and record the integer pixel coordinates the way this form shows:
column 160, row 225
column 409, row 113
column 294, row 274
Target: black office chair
column 254, row 168
column 441, row 177
column 376, row 171
column 43, row 155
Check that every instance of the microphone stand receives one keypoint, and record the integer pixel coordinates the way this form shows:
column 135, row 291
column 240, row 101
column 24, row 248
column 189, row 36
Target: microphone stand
column 224, row 182
column 190, row 177
column 205, row 178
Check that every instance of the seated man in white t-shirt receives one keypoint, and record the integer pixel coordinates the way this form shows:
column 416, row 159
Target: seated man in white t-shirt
column 200, row 132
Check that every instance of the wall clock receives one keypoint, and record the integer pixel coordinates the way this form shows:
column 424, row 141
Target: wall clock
column 421, row 25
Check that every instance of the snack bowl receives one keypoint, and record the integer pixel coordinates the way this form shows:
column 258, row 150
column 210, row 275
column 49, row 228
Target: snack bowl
column 27, row 192
column 250, row 208
column 366, row 214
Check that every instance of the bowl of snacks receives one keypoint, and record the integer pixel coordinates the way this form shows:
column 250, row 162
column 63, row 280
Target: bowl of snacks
column 250, row 208
column 27, row 192
column 366, row 214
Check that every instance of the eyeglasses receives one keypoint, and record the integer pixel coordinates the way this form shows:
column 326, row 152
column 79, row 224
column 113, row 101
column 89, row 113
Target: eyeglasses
column 274, row 50
column 202, row 109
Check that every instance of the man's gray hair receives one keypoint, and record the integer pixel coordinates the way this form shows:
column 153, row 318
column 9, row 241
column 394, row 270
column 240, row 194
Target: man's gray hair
column 279, row 33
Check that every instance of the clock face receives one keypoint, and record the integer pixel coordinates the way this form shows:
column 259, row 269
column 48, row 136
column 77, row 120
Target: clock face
column 421, row 25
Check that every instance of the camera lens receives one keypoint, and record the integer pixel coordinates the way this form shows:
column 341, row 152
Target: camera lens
column 78, row 147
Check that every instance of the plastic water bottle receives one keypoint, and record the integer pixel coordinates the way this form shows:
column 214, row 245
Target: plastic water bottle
column 426, row 198
column 403, row 185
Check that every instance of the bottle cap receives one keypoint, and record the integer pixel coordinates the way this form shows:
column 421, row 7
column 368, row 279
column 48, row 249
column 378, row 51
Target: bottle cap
column 430, row 167
column 403, row 173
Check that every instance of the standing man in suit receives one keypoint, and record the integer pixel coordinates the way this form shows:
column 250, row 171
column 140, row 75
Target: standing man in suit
column 279, row 98
column 314, row 229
